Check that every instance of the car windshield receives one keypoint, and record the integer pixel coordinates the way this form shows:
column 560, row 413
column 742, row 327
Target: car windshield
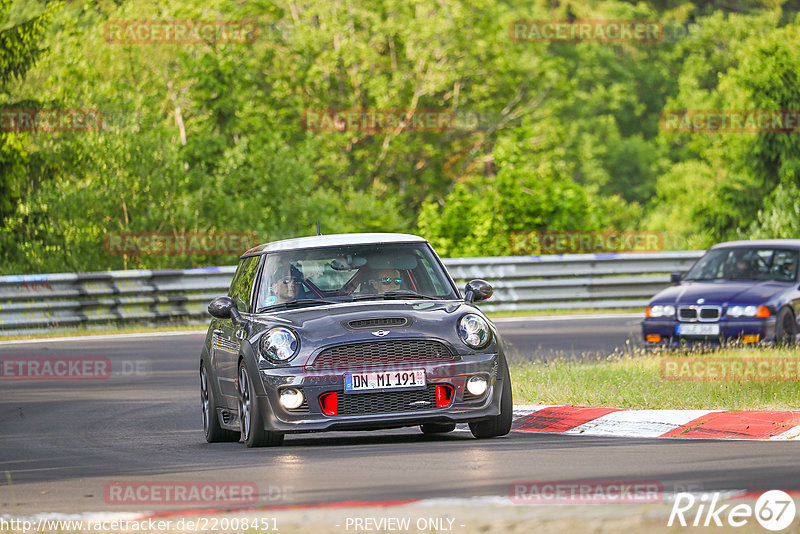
column 746, row 264
column 353, row 272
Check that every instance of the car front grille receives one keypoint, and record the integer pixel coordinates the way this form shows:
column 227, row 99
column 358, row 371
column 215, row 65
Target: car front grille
column 387, row 401
column 699, row 313
column 380, row 354
column 366, row 324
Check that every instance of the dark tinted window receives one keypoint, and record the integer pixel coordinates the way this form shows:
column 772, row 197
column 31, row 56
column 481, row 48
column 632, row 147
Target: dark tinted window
column 242, row 284
column 746, row 264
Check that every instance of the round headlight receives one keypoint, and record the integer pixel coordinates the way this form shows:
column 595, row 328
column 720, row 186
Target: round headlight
column 660, row 310
column 474, row 331
column 279, row 345
column 477, row 385
column 736, row 311
column 750, row 311
column 291, row 398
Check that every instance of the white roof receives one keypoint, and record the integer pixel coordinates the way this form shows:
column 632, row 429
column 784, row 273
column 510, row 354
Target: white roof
column 333, row 240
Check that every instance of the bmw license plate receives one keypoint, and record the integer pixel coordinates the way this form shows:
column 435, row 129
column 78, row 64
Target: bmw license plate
column 412, row 379
column 697, row 329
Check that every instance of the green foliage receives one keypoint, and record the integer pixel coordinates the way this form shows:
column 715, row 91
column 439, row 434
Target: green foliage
column 527, row 194
column 210, row 137
column 734, row 184
column 20, row 42
column 20, row 47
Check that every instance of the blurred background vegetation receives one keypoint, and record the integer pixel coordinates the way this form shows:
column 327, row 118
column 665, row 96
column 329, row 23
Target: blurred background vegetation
column 558, row 136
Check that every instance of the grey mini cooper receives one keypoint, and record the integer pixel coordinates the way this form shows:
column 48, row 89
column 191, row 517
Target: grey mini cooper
column 350, row 332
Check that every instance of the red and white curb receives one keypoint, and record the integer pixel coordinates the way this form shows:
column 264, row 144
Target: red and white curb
column 688, row 424
column 46, row 521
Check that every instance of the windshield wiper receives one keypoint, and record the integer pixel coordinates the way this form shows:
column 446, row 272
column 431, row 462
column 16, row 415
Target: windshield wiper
column 404, row 293
column 299, row 302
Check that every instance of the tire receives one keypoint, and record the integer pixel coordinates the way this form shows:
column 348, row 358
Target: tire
column 250, row 417
column 211, row 427
column 499, row 425
column 437, row 428
column 785, row 327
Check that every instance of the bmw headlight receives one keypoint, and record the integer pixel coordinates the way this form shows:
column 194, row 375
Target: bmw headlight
column 736, row 311
column 748, row 311
column 474, row 331
column 661, row 311
column 279, row 345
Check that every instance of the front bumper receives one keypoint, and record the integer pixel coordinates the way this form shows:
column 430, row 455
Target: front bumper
column 462, row 408
column 730, row 331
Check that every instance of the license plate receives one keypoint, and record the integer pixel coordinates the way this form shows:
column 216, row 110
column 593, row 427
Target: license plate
column 411, row 379
column 697, row 329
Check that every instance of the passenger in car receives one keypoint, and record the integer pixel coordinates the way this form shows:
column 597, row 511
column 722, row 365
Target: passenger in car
column 286, row 285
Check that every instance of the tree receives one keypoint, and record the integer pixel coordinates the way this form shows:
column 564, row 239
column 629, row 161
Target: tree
column 738, row 184
column 20, row 47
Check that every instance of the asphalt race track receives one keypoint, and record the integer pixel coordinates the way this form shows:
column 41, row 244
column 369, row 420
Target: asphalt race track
column 62, row 442
column 577, row 337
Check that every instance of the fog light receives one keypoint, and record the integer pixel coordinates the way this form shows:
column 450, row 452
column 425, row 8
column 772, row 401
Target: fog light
column 653, row 338
column 477, row 385
column 291, row 398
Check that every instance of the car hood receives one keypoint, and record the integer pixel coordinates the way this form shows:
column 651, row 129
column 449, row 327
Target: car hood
column 326, row 325
column 720, row 292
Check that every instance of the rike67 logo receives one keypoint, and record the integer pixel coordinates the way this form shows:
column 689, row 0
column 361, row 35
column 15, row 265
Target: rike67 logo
column 774, row 510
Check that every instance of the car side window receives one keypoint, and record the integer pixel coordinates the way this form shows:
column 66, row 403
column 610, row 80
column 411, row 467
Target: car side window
column 430, row 278
column 242, row 284
column 784, row 265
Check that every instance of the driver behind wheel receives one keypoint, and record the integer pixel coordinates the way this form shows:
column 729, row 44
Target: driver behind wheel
column 744, row 268
column 387, row 280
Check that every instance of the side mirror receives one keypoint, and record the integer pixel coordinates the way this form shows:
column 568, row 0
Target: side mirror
column 477, row 290
column 224, row 308
column 675, row 278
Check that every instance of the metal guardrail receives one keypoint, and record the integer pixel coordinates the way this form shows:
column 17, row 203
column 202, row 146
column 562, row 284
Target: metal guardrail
column 35, row 303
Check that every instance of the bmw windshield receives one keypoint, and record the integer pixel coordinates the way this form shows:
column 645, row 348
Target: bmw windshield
column 347, row 273
column 746, row 264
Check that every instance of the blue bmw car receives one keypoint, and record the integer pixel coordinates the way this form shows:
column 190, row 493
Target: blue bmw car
column 745, row 291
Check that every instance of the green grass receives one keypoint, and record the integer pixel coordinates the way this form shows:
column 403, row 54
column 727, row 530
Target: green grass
column 634, row 380
column 105, row 331
column 576, row 311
